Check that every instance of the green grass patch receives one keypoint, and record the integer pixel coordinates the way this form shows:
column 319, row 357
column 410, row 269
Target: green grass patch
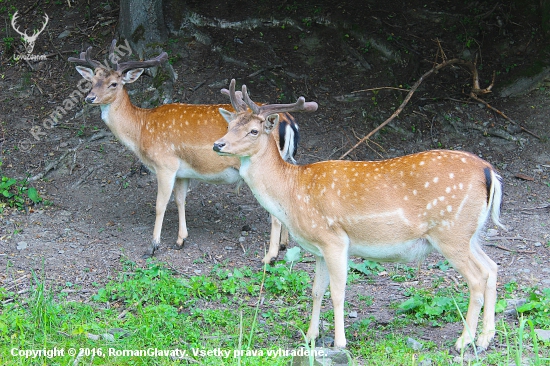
column 229, row 316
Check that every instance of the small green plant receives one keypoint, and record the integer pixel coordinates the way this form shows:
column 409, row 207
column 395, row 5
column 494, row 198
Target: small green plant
column 18, row 194
column 281, row 280
column 538, row 307
column 373, row 98
column 366, row 267
column 81, row 131
column 403, row 273
column 436, row 308
column 8, row 43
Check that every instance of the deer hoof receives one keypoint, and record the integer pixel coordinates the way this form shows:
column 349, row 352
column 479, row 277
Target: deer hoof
column 150, row 251
column 177, row 246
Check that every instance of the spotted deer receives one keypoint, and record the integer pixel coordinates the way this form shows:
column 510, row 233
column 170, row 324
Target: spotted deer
column 395, row 210
column 173, row 140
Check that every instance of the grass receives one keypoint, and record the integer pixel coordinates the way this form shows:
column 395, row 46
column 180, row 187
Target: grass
column 230, row 316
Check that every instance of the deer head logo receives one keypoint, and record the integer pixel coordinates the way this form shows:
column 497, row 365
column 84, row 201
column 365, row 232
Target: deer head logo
column 29, row 40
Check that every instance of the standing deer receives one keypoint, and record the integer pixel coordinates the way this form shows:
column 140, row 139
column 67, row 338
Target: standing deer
column 396, row 210
column 174, row 141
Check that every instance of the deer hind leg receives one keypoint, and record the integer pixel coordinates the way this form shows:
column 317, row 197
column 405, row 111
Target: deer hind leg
column 488, row 329
column 165, row 180
column 337, row 263
column 180, row 193
column 283, row 244
column 275, row 240
column 474, row 270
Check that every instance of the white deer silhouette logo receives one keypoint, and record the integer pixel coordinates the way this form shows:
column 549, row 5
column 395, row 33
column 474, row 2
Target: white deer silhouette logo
column 29, row 40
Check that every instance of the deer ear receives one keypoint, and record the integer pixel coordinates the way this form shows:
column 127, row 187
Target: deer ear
column 132, row 75
column 228, row 116
column 86, row 72
column 270, row 122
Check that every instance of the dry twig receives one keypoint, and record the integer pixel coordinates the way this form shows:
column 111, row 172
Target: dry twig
column 474, row 92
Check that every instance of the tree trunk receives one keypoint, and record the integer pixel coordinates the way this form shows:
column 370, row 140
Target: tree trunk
column 141, row 22
column 545, row 12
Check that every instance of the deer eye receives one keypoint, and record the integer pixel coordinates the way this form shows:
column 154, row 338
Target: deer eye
column 254, row 132
column 113, row 85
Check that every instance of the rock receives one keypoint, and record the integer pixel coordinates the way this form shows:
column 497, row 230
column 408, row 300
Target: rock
column 108, row 337
column 414, row 344
column 543, row 335
column 492, row 232
column 22, row 245
column 524, row 85
column 242, row 239
column 321, row 357
column 352, row 314
column 512, row 305
column 467, row 358
column 93, row 337
column 64, row 34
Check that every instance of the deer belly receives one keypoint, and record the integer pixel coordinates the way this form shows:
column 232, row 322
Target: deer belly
column 410, row 251
column 226, row 176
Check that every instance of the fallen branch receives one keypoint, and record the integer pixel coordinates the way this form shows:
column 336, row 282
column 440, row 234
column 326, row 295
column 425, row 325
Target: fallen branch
column 509, row 238
column 405, row 102
column 545, row 207
column 52, row 165
column 512, row 250
column 474, row 93
column 474, row 97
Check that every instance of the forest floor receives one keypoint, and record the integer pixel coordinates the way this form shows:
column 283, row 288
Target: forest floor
column 101, row 204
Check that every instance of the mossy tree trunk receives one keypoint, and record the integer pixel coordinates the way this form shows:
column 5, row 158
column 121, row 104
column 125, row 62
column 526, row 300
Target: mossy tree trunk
column 141, row 22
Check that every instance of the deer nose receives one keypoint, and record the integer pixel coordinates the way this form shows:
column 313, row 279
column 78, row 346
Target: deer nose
column 218, row 146
column 90, row 99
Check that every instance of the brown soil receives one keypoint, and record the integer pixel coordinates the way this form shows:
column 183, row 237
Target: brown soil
column 102, row 202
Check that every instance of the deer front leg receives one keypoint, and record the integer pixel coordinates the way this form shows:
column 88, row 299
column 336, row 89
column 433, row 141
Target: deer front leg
column 278, row 231
column 320, row 284
column 165, row 180
column 180, row 193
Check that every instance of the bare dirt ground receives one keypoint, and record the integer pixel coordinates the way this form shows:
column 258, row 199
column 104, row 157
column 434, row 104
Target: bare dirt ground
column 102, row 202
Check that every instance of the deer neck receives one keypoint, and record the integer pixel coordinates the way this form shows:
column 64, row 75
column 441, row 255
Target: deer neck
column 271, row 179
column 124, row 119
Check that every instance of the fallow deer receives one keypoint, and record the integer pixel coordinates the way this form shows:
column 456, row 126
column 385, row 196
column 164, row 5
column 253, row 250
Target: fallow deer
column 173, row 140
column 395, row 210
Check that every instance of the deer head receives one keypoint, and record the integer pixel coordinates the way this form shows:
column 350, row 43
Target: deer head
column 29, row 40
column 108, row 82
